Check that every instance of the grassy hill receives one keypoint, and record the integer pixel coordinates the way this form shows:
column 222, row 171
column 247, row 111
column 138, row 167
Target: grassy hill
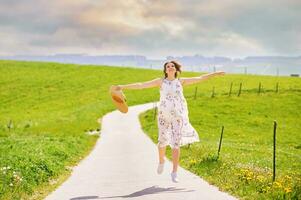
column 46, row 109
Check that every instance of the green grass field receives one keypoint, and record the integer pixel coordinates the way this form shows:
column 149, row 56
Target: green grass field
column 244, row 167
column 46, row 109
column 49, row 107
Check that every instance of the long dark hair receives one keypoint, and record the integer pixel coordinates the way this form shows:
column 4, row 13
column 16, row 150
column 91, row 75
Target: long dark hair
column 177, row 65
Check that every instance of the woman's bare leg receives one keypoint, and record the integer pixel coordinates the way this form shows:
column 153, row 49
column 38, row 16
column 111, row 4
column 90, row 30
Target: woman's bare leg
column 162, row 151
column 175, row 158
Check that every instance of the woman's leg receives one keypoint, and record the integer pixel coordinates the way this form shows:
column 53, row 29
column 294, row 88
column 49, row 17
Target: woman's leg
column 176, row 127
column 162, row 151
column 163, row 125
column 175, row 158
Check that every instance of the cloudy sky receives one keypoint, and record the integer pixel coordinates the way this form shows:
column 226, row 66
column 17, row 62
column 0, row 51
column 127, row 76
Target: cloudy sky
column 154, row 28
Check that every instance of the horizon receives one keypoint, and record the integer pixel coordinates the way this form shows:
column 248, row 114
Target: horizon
column 151, row 58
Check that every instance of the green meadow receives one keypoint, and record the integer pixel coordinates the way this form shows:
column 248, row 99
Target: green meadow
column 244, row 166
column 46, row 110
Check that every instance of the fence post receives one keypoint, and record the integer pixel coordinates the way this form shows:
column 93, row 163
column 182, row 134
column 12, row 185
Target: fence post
column 259, row 88
column 220, row 142
column 212, row 95
column 274, row 151
column 195, row 92
column 239, row 89
column 10, row 125
column 230, row 89
column 155, row 107
column 277, row 87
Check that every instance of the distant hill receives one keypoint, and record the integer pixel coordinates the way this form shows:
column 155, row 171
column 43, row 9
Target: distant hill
column 261, row 65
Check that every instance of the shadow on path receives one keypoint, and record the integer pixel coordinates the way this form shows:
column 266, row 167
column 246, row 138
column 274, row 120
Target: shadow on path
column 146, row 191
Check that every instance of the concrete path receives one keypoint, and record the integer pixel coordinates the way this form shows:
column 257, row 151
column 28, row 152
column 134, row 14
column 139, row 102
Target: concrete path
column 123, row 165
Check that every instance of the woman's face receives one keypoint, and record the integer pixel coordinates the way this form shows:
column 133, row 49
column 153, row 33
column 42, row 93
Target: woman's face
column 170, row 69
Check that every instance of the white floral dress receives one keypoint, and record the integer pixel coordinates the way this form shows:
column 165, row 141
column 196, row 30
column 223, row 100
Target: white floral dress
column 173, row 122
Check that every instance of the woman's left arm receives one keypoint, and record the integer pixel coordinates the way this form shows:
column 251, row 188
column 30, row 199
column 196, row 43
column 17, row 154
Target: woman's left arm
column 193, row 80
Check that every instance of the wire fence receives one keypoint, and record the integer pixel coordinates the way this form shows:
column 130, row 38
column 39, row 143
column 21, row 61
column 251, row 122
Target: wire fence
column 259, row 90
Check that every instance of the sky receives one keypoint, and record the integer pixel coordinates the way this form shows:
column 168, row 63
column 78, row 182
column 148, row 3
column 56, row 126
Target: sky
column 152, row 28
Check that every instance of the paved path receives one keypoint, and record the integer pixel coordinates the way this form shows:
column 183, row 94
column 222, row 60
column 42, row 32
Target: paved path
column 123, row 166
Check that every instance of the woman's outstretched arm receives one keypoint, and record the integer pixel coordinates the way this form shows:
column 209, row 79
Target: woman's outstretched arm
column 141, row 85
column 193, row 80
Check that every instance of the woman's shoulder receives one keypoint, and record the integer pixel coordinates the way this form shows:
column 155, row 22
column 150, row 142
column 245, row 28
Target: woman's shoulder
column 158, row 81
column 181, row 80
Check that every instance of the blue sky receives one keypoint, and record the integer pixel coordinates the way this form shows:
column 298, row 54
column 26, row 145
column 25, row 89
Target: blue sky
column 152, row 28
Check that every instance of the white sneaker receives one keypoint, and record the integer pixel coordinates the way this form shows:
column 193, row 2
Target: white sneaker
column 160, row 167
column 174, row 177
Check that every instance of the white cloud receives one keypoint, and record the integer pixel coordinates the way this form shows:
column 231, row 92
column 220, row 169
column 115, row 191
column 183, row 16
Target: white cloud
column 151, row 27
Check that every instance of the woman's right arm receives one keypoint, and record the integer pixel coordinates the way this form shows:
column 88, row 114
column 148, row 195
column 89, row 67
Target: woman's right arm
column 141, row 85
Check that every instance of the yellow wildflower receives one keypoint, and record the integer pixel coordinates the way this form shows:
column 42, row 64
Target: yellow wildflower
column 287, row 190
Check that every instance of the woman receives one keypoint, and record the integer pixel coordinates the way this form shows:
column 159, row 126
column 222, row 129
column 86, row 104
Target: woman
column 174, row 127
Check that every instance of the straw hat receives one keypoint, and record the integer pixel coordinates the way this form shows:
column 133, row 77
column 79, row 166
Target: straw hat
column 118, row 99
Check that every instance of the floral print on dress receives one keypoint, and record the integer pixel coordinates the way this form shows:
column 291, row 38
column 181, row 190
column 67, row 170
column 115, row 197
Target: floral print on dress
column 173, row 122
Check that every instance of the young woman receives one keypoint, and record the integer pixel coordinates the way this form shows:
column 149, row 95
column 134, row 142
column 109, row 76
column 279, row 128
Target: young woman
column 174, row 127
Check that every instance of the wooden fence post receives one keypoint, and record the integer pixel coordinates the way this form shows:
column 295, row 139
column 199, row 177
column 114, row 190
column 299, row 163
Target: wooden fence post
column 239, row 89
column 274, row 150
column 10, row 125
column 220, row 142
column 277, row 87
column 230, row 89
column 155, row 113
column 212, row 95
